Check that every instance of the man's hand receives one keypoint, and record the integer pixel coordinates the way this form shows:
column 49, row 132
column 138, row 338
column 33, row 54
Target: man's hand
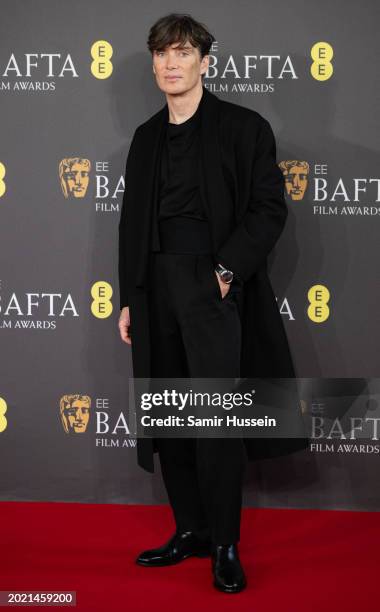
column 224, row 287
column 124, row 325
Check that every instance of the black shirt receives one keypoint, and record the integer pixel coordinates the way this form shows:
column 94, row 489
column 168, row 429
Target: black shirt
column 179, row 193
column 178, row 201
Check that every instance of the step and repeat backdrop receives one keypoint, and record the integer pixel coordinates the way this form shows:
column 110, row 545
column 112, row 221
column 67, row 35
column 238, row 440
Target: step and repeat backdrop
column 75, row 81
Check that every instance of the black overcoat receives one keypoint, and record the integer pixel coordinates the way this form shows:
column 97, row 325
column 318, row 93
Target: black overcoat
column 243, row 190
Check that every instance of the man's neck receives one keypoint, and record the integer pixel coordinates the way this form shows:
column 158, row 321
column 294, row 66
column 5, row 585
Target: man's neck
column 182, row 106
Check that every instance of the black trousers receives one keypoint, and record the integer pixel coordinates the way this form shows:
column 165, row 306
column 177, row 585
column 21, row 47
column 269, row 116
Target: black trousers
column 197, row 333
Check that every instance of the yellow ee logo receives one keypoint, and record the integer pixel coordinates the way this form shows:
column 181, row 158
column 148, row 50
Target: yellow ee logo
column 321, row 54
column 101, row 306
column 318, row 310
column 2, row 182
column 3, row 418
column 101, row 53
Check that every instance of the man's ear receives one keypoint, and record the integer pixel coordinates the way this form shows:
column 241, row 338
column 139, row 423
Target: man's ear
column 205, row 62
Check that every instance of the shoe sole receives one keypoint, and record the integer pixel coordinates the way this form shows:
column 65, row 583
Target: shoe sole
column 202, row 554
column 227, row 590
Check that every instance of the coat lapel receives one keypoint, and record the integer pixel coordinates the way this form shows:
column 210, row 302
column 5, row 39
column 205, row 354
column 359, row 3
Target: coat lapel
column 213, row 188
column 148, row 188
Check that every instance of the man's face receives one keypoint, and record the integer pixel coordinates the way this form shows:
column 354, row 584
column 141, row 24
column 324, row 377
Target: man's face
column 182, row 62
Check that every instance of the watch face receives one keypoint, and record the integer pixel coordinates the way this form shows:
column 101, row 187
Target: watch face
column 227, row 276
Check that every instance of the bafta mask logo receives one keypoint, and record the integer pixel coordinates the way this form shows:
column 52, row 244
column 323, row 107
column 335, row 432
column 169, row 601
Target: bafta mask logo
column 295, row 173
column 75, row 413
column 74, row 176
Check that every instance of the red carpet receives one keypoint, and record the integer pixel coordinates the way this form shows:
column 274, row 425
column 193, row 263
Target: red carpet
column 295, row 560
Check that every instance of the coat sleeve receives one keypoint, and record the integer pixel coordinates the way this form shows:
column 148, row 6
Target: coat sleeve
column 126, row 203
column 258, row 231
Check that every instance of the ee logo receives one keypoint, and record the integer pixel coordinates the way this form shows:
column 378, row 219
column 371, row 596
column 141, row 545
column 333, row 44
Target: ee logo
column 101, row 65
column 321, row 54
column 2, row 182
column 101, row 305
column 318, row 310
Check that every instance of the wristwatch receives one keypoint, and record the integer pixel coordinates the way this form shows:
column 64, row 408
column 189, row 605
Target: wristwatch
column 227, row 276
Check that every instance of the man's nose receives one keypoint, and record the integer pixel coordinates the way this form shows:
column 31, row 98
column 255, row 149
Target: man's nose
column 172, row 61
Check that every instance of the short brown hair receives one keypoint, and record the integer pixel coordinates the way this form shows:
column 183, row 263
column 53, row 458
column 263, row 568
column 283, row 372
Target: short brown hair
column 179, row 27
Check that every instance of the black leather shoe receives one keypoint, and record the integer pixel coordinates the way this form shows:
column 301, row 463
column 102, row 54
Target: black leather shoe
column 180, row 546
column 228, row 573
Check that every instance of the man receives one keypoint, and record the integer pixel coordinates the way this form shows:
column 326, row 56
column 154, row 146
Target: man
column 203, row 207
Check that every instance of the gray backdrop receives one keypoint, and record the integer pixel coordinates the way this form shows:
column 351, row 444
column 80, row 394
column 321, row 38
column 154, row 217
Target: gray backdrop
column 54, row 250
